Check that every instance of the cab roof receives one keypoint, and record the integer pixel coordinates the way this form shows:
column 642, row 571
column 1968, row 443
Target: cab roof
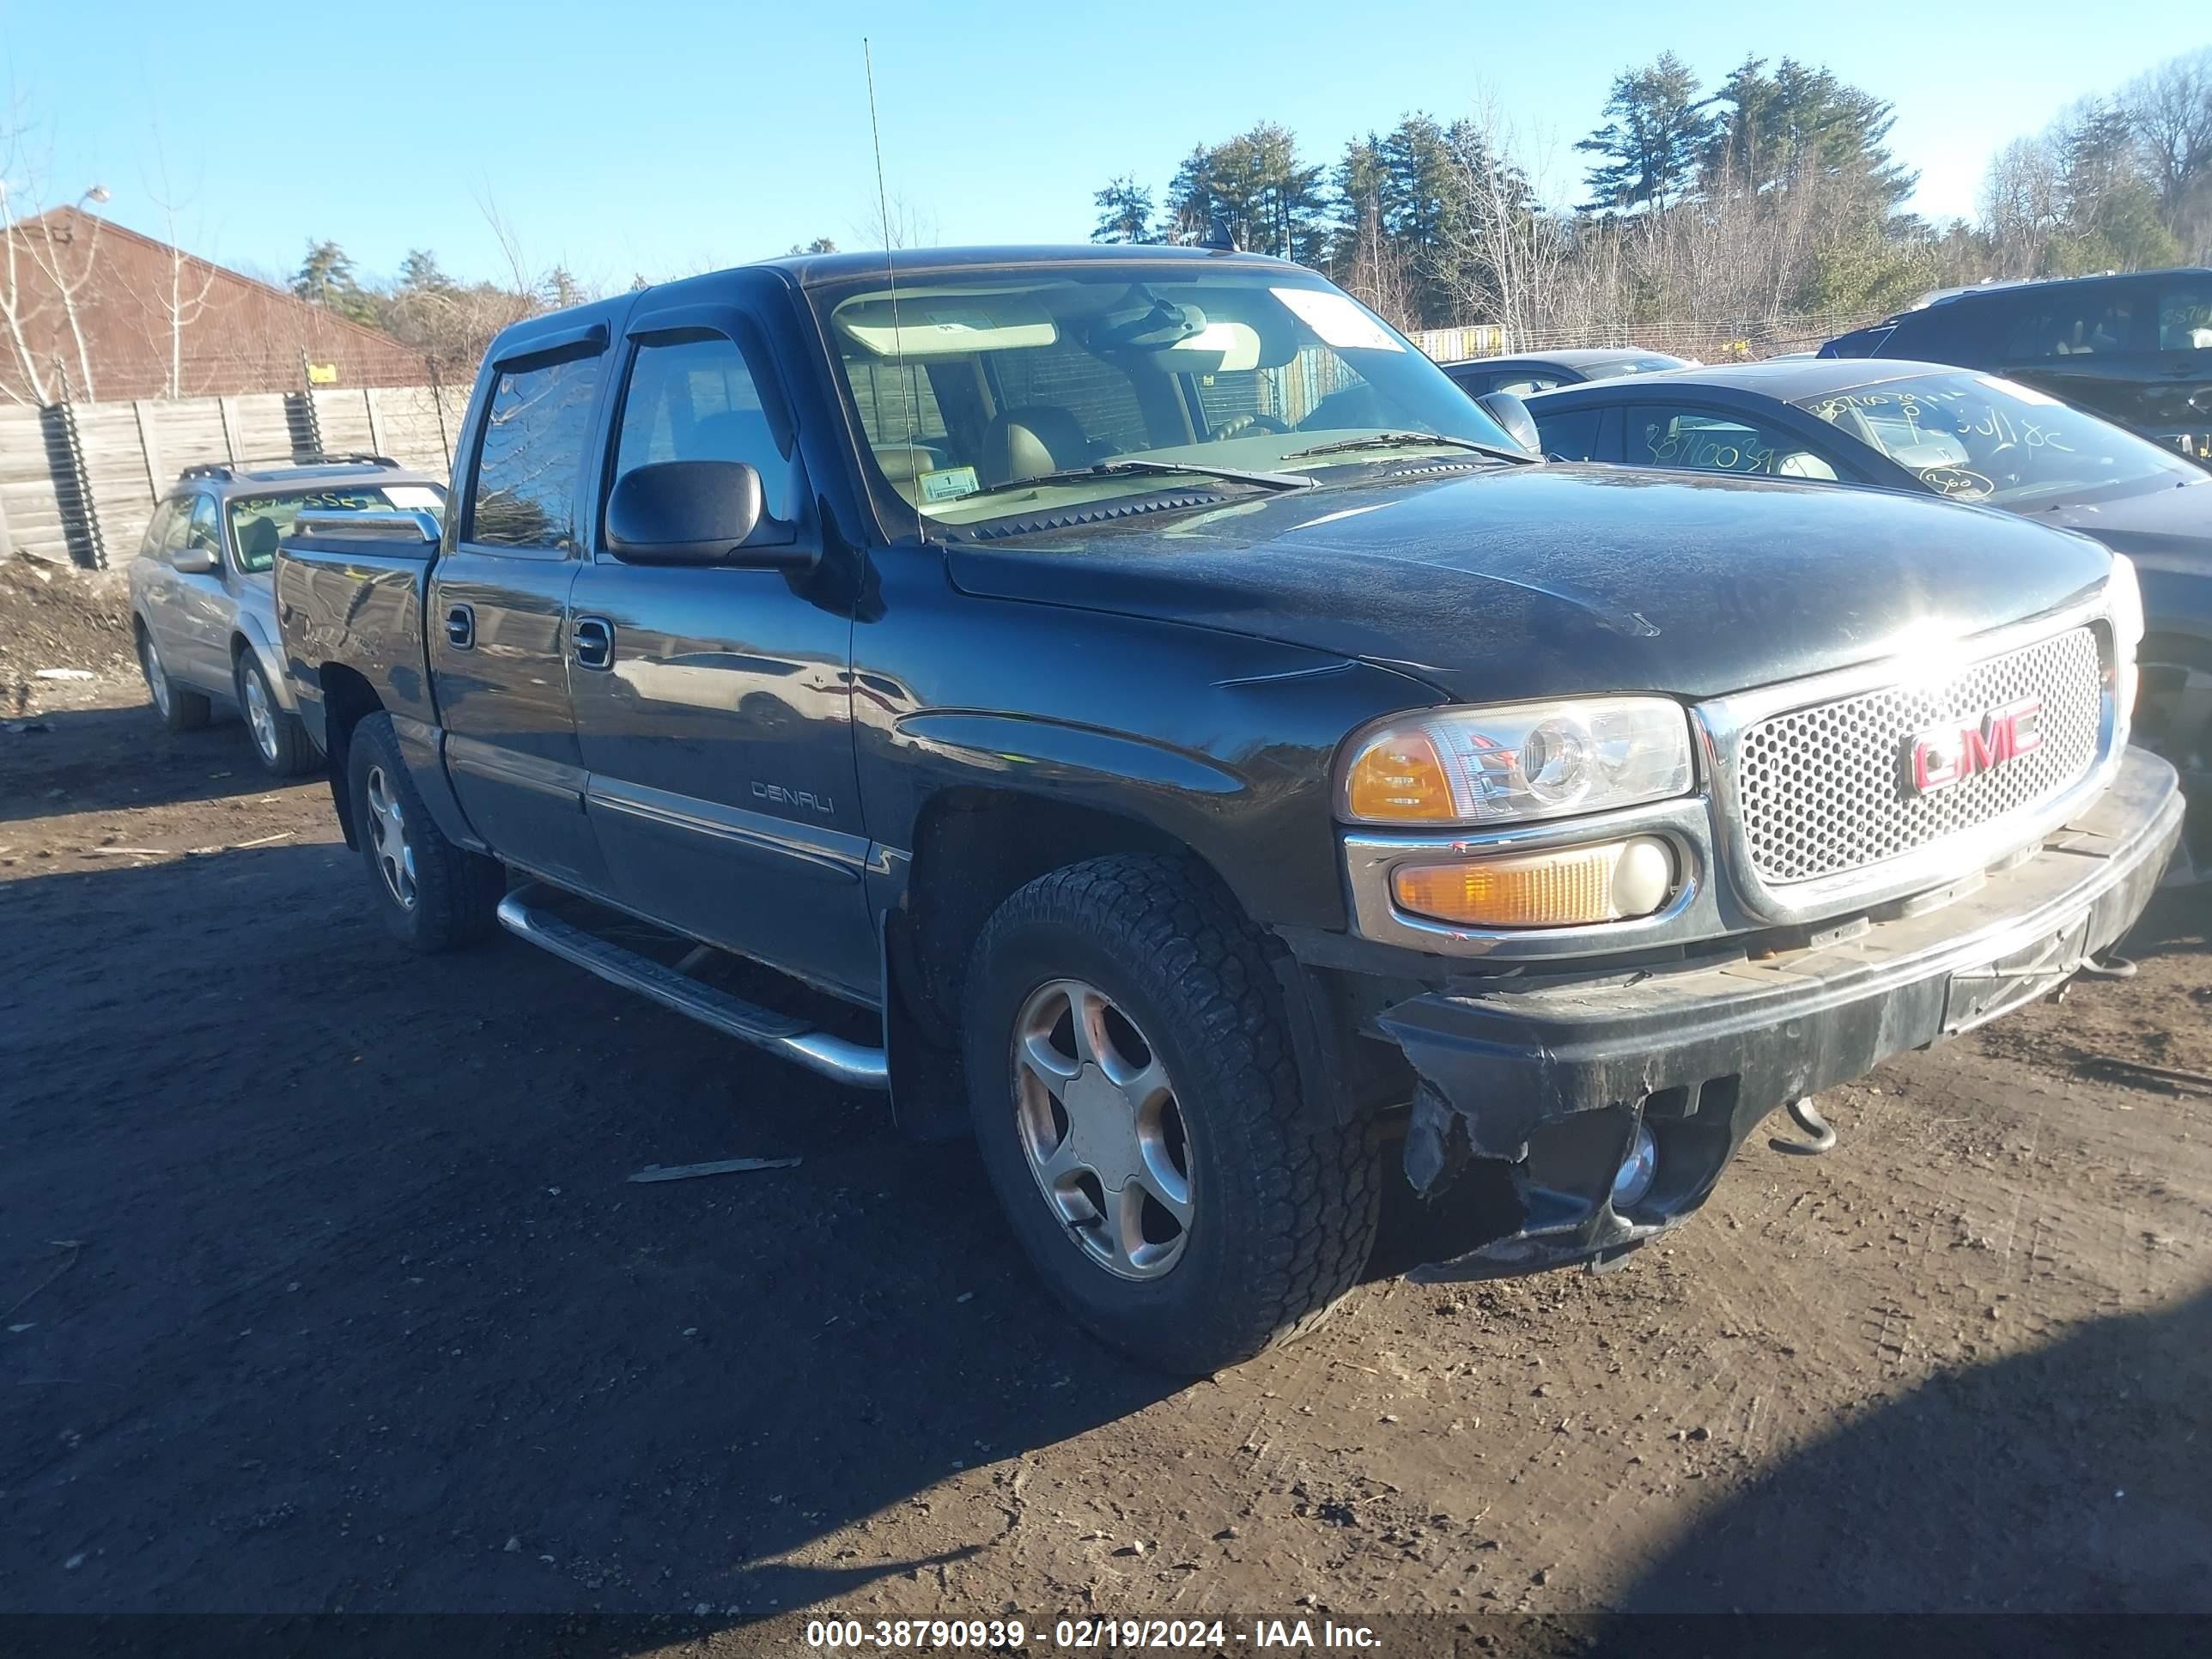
column 814, row 270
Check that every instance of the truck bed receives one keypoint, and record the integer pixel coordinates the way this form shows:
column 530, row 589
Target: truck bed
column 354, row 604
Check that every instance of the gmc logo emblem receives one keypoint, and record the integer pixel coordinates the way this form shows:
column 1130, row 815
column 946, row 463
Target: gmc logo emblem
column 1945, row 755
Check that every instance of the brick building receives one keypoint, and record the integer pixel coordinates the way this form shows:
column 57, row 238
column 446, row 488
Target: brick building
column 83, row 299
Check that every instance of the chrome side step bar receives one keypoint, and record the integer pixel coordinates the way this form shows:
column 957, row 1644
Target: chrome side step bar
column 852, row 1064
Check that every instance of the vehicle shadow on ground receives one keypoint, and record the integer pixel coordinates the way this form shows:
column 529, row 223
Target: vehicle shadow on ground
column 2179, row 919
column 2087, row 1501
column 92, row 760
column 362, row 1312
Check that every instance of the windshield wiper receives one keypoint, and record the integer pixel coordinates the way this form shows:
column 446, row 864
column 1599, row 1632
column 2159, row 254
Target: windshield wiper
column 1402, row 439
column 1122, row 469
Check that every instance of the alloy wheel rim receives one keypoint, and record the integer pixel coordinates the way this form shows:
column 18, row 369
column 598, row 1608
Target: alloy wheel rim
column 157, row 678
column 1098, row 1121
column 261, row 716
column 387, row 832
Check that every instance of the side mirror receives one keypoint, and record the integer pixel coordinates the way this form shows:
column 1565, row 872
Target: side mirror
column 1509, row 412
column 698, row 512
column 191, row 561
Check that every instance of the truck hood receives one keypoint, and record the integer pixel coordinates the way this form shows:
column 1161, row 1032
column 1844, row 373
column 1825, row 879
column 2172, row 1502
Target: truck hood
column 1552, row 581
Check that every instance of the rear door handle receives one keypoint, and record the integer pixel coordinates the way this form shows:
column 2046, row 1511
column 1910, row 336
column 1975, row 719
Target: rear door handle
column 461, row 627
column 595, row 642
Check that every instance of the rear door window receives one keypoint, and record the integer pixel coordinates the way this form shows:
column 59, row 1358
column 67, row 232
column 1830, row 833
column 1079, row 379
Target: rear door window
column 1570, row 435
column 1716, row 440
column 157, row 530
column 2092, row 319
column 2184, row 319
column 529, row 462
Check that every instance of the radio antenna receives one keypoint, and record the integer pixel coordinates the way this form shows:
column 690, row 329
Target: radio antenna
column 907, row 397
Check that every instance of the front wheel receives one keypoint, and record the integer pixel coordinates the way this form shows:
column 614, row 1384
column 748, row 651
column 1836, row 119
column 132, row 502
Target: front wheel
column 1138, row 1111
column 180, row 708
column 279, row 740
column 432, row 895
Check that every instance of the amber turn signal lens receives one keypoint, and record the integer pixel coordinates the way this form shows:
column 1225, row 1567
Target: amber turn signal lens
column 1402, row 777
column 1578, row 886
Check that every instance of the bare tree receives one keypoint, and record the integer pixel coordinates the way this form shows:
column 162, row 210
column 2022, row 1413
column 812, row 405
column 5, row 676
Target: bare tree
column 2170, row 109
column 1512, row 252
column 2023, row 202
column 47, row 267
column 900, row 223
column 181, row 294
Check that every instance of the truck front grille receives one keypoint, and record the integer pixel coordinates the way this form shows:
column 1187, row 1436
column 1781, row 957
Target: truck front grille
column 1825, row 789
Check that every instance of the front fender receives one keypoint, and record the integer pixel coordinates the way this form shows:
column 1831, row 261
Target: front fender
column 260, row 636
column 1222, row 742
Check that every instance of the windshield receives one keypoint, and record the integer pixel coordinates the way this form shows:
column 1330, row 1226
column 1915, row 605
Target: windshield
column 988, row 389
column 1976, row 438
column 257, row 523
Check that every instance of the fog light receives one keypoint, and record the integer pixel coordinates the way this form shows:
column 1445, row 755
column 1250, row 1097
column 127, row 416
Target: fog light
column 1576, row 886
column 1633, row 1179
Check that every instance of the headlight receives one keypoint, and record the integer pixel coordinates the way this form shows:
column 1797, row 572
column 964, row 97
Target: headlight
column 1516, row 762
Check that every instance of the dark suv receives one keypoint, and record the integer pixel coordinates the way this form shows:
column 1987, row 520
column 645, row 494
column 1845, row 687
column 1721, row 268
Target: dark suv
column 2136, row 349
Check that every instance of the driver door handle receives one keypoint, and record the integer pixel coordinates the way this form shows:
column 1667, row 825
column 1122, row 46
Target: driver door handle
column 595, row 642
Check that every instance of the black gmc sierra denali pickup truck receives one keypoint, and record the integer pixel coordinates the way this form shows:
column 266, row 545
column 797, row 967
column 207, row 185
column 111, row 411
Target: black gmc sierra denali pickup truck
column 1145, row 714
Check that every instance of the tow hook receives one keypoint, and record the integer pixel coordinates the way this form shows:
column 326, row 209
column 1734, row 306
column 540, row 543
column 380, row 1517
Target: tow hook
column 1806, row 1116
column 2110, row 967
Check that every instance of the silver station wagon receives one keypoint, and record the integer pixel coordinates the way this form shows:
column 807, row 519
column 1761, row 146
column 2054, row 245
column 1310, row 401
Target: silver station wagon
column 202, row 604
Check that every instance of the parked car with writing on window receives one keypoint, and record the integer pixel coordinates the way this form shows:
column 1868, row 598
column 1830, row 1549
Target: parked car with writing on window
column 1964, row 436
column 203, row 608
column 1525, row 376
column 2136, row 347
column 1148, row 717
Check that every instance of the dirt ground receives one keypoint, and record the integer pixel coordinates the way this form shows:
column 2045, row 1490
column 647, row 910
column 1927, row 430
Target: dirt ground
column 325, row 1290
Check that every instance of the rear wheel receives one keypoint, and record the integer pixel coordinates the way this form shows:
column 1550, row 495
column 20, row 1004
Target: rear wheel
column 1138, row 1111
column 180, row 708
column 279, row 739
column 432, row 895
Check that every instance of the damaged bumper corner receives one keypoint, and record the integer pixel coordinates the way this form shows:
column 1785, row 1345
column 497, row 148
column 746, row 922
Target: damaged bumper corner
column 1553, row 1082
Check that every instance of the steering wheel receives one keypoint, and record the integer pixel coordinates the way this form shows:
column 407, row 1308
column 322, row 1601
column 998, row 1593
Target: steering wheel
column 1242, row 423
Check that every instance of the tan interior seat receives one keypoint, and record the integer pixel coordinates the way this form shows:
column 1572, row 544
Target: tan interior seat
column 1033, row 439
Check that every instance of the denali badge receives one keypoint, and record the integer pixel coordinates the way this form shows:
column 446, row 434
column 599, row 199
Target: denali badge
column 1945, row 755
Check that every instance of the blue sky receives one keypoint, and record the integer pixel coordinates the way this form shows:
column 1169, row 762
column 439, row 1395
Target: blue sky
column 671, row 135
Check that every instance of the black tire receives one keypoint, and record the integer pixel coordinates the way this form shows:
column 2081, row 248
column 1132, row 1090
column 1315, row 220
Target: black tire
column 287, row 753
column 452, row 894
column 1283, row 1214
column 178, row 709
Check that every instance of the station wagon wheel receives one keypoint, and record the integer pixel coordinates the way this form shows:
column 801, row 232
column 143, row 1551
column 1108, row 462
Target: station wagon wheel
column 278, row 737
column 388, row 835
column 157, row 678
column 260, row 717
column 1101, row 1130
column 180, row 708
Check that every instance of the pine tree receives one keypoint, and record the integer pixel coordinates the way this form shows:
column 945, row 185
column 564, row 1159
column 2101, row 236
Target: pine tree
column 1656, row 127
column 325, row 279
column 1125, row 212
column 1190, row 205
